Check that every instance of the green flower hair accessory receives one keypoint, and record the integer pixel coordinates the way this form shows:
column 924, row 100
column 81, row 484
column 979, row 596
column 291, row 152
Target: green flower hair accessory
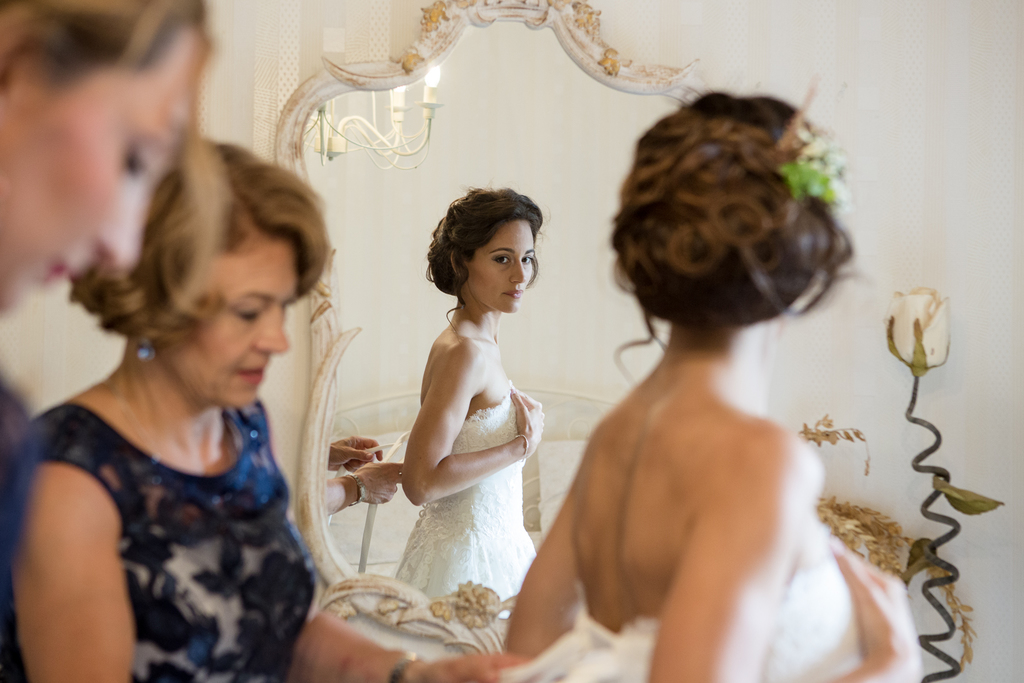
column 818, row 171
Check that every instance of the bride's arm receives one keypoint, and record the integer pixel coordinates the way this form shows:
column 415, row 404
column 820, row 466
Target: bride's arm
column 548, row 602
column 430, row 470
column 742, row 548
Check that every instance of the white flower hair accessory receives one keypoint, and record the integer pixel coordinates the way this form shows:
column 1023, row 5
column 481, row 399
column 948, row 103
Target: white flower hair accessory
column 819, row 169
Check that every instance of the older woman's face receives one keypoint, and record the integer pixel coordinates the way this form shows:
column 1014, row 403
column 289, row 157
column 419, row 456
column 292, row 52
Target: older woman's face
column 223, row 361
column 79, row 162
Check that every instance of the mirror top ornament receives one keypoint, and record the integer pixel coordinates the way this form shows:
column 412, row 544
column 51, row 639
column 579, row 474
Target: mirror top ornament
column 576, row 25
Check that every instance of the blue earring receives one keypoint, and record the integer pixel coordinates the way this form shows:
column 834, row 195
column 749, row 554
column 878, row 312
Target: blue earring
column 145, row 352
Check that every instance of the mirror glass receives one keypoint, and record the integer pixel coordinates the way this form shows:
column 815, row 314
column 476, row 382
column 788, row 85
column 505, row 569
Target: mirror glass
column 519, row 113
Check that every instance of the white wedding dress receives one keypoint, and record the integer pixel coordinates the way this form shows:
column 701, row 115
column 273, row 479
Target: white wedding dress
column 476, row 534
column 815, row 640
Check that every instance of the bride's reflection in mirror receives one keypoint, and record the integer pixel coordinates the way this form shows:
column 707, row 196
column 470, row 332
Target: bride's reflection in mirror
column 516, row 112
column 464, row 461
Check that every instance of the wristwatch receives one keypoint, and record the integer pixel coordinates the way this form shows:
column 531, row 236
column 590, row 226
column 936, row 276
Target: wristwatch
column 360, row 489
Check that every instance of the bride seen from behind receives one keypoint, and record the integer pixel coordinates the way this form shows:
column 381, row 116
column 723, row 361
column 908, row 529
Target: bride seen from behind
column 465, row 455
column 691, row 526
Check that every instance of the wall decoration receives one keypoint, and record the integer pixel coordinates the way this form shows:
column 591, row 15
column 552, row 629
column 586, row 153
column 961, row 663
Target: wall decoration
column 918, row 332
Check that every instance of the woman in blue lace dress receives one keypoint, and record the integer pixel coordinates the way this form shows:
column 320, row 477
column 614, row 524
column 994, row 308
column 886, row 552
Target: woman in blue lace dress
column 95, row 103
column 160, row 513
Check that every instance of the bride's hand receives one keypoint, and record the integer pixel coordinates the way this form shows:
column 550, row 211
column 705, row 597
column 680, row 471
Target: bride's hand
column 529, row 420
column 887, row 632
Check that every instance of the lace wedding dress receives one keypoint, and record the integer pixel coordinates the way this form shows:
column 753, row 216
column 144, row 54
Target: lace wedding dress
column 476, row 534
column 815, row 639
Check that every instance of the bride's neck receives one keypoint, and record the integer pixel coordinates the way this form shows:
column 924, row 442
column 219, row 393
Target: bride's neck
column 733, row 365
column 471, row 322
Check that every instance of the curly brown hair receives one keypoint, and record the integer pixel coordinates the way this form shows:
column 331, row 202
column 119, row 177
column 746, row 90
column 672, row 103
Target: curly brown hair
column 152, row 301
column 470, row 223
column 708, row 234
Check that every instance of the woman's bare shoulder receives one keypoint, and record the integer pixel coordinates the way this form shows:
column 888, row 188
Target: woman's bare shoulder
column 765, row 464
column 739, row 455
column 451, row 353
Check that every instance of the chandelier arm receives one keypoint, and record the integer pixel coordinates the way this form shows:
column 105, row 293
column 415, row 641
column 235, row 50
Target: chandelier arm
column 407, row 139
column 364, row 127
column 358, row 124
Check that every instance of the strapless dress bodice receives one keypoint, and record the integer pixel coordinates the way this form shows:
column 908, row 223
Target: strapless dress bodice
column 476, row 534
column 815, row 640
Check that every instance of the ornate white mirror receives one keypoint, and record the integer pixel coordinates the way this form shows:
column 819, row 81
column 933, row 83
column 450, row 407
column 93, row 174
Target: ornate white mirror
column 517, row 112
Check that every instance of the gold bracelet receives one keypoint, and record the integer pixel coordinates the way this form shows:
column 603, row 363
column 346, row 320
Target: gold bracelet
column 527, row 441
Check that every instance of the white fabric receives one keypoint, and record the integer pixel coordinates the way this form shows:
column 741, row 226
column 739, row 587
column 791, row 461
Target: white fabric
column 476, row 534
column 815, row 641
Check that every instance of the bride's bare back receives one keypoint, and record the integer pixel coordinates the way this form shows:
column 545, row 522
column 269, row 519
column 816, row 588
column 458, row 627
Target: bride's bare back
column 662, row 461
column 687, row 508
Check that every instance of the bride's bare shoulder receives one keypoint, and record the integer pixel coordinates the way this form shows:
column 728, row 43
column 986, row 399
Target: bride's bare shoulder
column 452, row 353
column 760, row 462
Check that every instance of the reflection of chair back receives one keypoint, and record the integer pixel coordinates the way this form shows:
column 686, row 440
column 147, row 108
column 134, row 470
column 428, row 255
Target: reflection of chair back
column 371, row 512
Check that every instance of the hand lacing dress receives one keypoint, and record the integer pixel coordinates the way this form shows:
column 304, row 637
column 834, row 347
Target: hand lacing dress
column 476, row 534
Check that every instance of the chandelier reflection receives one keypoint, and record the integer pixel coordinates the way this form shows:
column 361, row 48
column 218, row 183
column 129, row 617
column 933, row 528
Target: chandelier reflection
column 391, row 149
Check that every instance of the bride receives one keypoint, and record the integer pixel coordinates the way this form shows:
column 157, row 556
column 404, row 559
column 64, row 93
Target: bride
column 465, row 455
column 689, row 548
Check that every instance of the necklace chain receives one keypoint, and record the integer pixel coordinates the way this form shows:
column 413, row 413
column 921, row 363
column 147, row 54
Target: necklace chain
column 130, row 414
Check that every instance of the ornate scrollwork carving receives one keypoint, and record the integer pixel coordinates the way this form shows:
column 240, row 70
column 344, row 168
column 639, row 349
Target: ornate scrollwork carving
column 476, row 605
column 576, row 25
column 466, row 621
column 434, row 15
column 611, row 62
column 587, row 19
column 410, row 60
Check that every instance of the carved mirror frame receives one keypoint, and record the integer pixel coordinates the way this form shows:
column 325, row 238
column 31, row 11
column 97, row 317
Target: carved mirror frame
column 577, row 27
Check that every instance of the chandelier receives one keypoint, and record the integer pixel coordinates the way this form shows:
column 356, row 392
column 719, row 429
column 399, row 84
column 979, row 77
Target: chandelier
column 392, row 149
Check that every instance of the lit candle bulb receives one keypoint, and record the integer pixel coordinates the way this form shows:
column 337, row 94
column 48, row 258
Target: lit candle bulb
column 430, row 82
column 399, row 96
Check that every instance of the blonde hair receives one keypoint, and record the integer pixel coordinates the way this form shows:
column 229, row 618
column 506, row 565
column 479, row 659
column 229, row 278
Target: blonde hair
column 70, row 39
column 152, row 301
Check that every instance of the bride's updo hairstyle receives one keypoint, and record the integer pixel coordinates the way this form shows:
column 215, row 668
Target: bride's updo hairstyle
column 470, row 223
column 709, row 234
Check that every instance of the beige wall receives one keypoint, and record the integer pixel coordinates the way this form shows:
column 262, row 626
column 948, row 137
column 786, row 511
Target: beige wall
column 926, row 95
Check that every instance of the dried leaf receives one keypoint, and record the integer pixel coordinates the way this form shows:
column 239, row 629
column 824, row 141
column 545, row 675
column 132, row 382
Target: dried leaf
column 916, row 561
column 965, row 501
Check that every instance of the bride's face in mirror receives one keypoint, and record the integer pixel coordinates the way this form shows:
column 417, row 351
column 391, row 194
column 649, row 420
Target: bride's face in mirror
column 500, row 271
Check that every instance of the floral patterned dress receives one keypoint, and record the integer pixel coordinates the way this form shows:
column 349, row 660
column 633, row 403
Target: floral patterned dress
column 219, row 581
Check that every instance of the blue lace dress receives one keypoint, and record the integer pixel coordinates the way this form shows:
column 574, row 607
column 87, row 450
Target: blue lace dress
column 219, row 581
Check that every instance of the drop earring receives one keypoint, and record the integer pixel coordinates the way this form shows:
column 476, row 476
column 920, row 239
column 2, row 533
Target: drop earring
column 145, row 351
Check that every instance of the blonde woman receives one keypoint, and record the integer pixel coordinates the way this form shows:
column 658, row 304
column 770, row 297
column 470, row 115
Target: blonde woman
column 158, row 547
column 96, row 102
